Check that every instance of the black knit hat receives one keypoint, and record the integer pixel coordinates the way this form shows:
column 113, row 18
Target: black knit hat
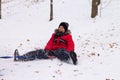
column 65, row 25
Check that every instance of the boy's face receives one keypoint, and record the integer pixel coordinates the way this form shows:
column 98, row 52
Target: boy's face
column 61, row 29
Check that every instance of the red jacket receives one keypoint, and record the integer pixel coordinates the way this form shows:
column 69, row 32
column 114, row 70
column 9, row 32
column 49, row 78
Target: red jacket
column 65, row 41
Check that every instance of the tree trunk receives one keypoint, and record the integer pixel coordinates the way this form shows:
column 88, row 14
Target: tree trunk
column 98, row 2
column 95, row 4
column 51, row 10
column 0, row 10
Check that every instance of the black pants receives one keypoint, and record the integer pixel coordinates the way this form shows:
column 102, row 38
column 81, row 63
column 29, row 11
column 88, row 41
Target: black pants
column 61, row 54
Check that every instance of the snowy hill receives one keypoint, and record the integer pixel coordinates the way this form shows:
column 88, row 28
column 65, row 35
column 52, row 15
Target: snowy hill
column 25, row 25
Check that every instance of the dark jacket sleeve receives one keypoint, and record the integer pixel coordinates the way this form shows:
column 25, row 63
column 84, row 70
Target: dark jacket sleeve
column 49, row 43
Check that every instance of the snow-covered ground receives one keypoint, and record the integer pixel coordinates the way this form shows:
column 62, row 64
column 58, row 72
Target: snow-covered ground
column 25, row 25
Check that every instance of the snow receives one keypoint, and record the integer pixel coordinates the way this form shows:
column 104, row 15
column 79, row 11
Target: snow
column 25, row 25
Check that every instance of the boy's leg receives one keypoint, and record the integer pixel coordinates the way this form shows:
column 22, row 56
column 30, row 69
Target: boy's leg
column 41, row 54
column 32, row 55
column 25, row 57
column 62, row 54
column 29, row 56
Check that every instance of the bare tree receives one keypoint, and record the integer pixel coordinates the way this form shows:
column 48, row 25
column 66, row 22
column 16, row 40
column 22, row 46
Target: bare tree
column 0, row 10
column 51, row 10
column 95, row 4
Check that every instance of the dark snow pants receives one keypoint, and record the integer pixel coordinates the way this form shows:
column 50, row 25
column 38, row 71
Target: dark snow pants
column 61, row 54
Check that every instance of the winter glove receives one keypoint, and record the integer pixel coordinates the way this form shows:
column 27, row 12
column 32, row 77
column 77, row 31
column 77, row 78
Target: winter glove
column 73, row 56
